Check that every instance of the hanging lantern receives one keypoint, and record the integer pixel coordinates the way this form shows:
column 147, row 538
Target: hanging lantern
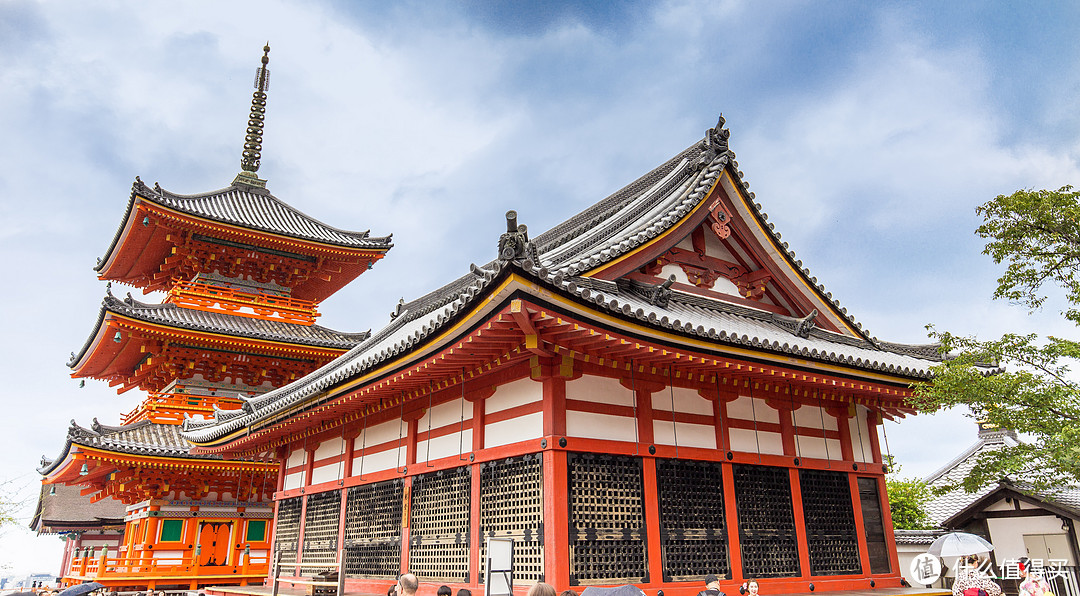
column 83, row 471
column 117, row 337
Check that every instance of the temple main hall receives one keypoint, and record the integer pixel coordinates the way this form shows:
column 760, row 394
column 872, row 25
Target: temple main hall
column 651, row 391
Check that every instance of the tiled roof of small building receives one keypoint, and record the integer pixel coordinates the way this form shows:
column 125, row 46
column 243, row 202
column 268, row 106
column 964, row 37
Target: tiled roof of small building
column 67, row 509
column 220, row 322
column 943, row 507
column 618, row 224
column 917, row 536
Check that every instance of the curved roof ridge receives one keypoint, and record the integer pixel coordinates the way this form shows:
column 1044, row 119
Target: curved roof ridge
column 247, row 207
column 309, row 226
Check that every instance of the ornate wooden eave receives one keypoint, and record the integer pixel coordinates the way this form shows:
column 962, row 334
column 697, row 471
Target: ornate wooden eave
column 130, row 353
column 157, row 244
column 131, row 478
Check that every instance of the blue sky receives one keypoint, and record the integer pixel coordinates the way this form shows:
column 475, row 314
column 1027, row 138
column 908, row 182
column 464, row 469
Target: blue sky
column 868, row 131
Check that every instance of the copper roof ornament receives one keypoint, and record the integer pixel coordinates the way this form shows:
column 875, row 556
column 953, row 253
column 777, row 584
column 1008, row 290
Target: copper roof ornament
column 249, row 162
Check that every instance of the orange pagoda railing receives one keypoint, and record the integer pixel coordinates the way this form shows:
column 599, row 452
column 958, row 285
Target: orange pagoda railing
column 143, row 570
column 201, row 295
column 169, row 408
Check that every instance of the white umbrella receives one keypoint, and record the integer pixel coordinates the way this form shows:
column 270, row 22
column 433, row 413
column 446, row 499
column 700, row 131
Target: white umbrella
column 959, row 544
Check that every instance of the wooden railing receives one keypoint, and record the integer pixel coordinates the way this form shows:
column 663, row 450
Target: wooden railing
column 210, row 297
column 169, row 408
column 141, row 570
column 307, row 581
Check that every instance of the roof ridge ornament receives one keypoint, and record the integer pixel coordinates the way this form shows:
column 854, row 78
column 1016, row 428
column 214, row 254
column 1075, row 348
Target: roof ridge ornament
column 252, row 155
column 514, row 245
column 715, row 143
column 655, row 294
column 800, row 326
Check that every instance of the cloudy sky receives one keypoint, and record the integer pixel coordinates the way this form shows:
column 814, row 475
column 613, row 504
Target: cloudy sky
column 869, row 132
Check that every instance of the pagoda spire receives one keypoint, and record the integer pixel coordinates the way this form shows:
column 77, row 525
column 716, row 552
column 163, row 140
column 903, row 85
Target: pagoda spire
column 249, row 161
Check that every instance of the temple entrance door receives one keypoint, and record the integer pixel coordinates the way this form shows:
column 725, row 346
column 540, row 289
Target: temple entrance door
column 214, row 541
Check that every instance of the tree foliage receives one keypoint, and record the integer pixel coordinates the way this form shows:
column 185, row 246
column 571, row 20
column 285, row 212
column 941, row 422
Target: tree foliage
column 1037, row 233
column 907, row 501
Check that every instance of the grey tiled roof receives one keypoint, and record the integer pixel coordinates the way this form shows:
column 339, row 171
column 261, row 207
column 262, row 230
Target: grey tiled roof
column 917, row 536
column 218, row 322
column 611, row 228
column 68, row 510
column 248, row 207
column 686, row 314
column 139, row 438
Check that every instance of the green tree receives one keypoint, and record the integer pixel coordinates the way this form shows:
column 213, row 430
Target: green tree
column 1037, row 233
column 907, row 500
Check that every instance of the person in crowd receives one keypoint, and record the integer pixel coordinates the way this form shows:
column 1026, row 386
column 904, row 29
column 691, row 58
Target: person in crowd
column 1031, row 583
column 568, row 593
column 444, row 590
column 542, row 589
column 970, row 579
column 464, row 592
column 712, row 586
column 749, row 587
column 407, row 585
column 392, row 590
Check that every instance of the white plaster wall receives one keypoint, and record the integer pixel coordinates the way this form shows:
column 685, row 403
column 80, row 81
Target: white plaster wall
column 686, row 400
column 859, row 432
column 454, row 443
column 168, row 554
column 684, row 434
column 294, row 480
column 329, row 448
column 743, row 440
column 376, row 462
column 812, row 417
column 588, row 425
column 522, row 428
column 1002, row 506
column 600, row 390
column 296, row 458
column 511, row 395
column 680, row 276
column 451, row 412
column 815, row 447
column 328, row 472
column 741, row 408
column 391, row 430
column 1007, row 534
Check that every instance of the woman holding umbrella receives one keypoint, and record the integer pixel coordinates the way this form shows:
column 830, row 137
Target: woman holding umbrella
column 971, row 581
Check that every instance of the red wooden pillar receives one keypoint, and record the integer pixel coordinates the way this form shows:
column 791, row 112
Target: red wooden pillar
column 856, row 502
column 406, row 522
column 886, row 520
column 348, row 452
column 309, row 464
column 873, row 419
column 651, row 510
column 477, row 399
column 556, row 519
column 843, row 412
column 475, row 538
column 554, row 389
column 732, row 521
column 800, row 524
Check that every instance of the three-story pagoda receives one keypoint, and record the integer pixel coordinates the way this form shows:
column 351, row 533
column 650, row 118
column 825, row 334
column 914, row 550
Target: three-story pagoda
column 242, row 275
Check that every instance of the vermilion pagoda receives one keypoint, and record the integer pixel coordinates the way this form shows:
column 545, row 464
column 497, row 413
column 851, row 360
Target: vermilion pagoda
column 653, row 390
column 243, row 274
